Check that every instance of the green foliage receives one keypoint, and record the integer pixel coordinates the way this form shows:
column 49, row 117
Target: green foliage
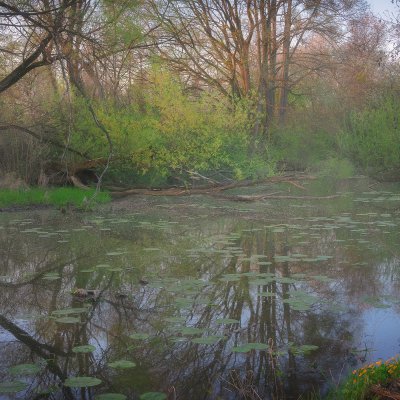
column 335, row 167
column 358, row 384
column 172, row 134
column 372, row 135
column 57, row 197
column 301, row 146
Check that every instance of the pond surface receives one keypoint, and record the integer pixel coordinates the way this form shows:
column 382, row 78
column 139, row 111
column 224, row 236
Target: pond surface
column 200, row 298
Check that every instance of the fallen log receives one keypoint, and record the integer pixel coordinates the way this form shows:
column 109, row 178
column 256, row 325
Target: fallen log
column 209, row 190
column 246, row 198
column 241, row 198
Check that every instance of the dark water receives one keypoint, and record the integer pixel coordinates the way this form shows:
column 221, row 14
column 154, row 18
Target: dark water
column 310, row 289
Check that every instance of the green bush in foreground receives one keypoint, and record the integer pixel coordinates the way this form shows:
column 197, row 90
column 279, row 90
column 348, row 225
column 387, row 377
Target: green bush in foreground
column 51, row 196
column 358, row 385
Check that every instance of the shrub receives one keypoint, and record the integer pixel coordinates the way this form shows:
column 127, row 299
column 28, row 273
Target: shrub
column 372, row 136
column 173, row 134
column 358, row 385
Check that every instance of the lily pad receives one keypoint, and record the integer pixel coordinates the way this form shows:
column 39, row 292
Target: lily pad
column 262, row 281
column 51, row 276
column 266, row 294
column 69, row 311
column 207, row 339
column 285, row 279
column 303, row 349
column 191, row 330
column 24, row 369
column 115, row 253
column 68, row 320
column 87, row 348
column 103, row 266
column 82, row 381
column 12, row 386
column 122, row 364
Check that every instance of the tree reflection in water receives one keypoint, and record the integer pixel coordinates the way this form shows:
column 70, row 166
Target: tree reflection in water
column 221, row 268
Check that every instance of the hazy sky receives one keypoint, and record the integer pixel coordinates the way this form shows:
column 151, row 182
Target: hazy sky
column 382, row 6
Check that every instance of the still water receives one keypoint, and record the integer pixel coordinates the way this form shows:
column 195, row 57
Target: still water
column 199, row 298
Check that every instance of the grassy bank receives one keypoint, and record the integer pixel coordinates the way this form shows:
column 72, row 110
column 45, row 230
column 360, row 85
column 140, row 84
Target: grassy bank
column 375, row 381
column 58, row 197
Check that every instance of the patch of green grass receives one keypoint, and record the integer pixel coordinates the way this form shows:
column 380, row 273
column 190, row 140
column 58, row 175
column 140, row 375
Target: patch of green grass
column 59, row 197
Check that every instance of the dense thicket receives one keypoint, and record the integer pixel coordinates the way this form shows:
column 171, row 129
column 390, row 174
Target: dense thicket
column 162, row 91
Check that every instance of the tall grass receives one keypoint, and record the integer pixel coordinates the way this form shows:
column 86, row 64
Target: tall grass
column 50, row 196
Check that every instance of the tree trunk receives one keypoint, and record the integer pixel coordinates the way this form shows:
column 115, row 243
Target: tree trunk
column 284, row 88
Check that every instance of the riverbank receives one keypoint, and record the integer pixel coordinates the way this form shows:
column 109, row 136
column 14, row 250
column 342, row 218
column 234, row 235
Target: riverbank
column 37, row 198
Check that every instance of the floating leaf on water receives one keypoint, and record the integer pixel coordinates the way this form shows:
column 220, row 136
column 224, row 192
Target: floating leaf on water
column 12, row 386
column 280, row 259
column 300, row 300
column 116, row 253
column 116, row 269
column 122, row 364
column 375, row 302
column 303, row 349
column 87, row 270
column 262, row 281
column 139, row 336
column 285, row 279
column 24, row 369
column 111, row 396
column 299, row 276
column 207, row 339
column 153, row 396
column 182, row 302
column 227, row 321
column 86, row 348
column 266, row 294
column 249, row 274
column 69, row 311
column 51, row 276
column 82, row 381
column 190, row 330
column 68, row 320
